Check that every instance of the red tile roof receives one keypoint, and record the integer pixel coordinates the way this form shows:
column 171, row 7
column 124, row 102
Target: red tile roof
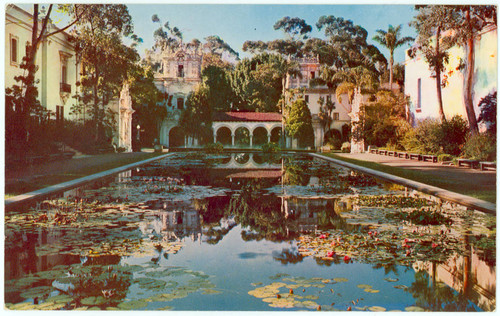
column 246, row 117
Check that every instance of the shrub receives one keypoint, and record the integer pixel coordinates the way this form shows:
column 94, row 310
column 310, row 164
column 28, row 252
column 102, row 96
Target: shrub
column 433, row 137
column 214, row 148
column 120, row 149
column 270, row 148
column 334, row 143
column 481, row 147
column 346, row 147
column 445, row 157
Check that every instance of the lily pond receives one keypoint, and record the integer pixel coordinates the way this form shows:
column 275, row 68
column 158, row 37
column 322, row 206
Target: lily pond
column 248, row 232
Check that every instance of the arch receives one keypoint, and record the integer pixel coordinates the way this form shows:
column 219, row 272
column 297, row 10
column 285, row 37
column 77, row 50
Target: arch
column 276, row 134
column 176, row 137
column 242, row 136
column 223, row 135
column 242, row 158
column 260, row 136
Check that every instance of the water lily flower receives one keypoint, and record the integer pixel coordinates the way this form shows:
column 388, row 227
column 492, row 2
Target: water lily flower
column 434, row 245
column 322, row 236
column 330, row 254
column 347, row 258
column 349, row 308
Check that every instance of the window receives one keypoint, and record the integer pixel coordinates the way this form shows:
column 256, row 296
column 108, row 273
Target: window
column 335, row 116
column 313, row 74
column 180, row 71
column 306, row 97
column 13, row 50
column 180, row 103
column 59, row 113
column 419, row 95
column 65, row 87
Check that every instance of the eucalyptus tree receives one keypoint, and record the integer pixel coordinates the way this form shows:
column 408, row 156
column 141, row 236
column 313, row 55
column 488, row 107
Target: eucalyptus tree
column 430, row 23
column 391, row 39
column 467, row 21
column 166, row 36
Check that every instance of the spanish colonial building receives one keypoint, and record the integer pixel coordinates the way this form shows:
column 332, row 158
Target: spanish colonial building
column 420, row 82
column 309, row 68
column 178, row 74
column 57, row 73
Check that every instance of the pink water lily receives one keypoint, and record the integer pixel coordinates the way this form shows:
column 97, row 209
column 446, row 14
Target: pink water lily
column 330, row 254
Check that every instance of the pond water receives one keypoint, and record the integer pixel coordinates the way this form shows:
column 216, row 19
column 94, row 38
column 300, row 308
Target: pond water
column 248, row 232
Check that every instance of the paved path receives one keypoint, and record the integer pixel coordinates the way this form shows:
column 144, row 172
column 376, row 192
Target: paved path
column 65, row 166
column 483, row 179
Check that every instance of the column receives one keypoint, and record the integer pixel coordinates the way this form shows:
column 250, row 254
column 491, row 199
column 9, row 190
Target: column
column 268, row 138
column 251, row 140
column 215, row 137
column 232, row 140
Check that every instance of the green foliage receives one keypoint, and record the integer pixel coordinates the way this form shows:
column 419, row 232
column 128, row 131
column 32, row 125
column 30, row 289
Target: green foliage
column 488, row 114
column 270, row 148
column 257, row 83
column 299, row 123
column 432, row 137
column 216, row 148
column 196, row 119
column 480, row 147
column 346, row 147
column 293, row 26
column 382, row 121
column 421, row 217
column 220, row 94
column 445, row 157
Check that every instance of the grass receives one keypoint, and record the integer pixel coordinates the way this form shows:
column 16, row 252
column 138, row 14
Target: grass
column 465, row 188
column 39, row 182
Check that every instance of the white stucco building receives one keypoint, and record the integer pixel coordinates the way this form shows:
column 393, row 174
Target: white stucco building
column 57, row 72
column 309, row 68
column 420, row 84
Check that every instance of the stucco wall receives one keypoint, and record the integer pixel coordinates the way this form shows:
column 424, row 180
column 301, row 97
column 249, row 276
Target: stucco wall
column 485, row 81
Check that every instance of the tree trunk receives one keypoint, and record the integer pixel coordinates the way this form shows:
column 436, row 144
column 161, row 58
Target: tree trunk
column 391, row 64
column 469, row 80
column 438, row 78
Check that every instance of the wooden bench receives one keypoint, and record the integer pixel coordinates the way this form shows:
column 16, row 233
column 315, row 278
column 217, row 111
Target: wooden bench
column 430, row 157
column 402, row 154
column 391, row 153
column 487, row 165
column 382, row 152
column 471, row 163
column 373, row 151
column 413, row 155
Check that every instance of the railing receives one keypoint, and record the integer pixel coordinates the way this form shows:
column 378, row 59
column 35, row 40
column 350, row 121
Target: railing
column 65, row 87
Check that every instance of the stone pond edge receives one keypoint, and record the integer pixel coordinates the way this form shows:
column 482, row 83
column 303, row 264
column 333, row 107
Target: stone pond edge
column 483, row 206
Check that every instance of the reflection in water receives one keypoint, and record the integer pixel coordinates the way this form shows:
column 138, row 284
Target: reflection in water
column 262, row 218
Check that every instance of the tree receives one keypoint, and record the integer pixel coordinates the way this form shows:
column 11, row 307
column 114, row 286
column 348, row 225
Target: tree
column 294, row 27
column 299, row 123
column 196, row 119
column 488, row 114
column 430, row 22
column 220, row 94
column 166, row 37
column 467, row 21
column 391, row 40
column 105, row 60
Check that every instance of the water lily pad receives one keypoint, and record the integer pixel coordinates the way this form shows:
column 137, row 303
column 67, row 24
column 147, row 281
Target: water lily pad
column 401, row 287
column 165, row 308
column 340, row 280
column 62, row 298
column 391, row 280
column 21, row 306
column 278, row 276
column 364, row 286
column 414, row 309
column 210, row 291
column 132, row 305
column 371, row 291
column 377, row 309
column 37, row 291
column 93, row 300
column 256, row 283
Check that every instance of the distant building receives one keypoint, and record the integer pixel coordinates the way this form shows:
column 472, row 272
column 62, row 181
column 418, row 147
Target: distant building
column 178, row 74
column 57, row 73
column 420, row 83
column 309, row 67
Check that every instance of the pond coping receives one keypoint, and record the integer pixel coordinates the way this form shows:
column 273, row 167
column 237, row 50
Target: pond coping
column 41, row 194
column 480, row 205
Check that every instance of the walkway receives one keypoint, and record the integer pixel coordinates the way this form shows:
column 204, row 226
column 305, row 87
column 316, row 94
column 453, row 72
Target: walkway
column 68, row 166
column 482, row 179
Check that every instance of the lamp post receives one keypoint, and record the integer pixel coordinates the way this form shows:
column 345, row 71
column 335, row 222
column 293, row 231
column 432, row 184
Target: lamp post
column 139, row 136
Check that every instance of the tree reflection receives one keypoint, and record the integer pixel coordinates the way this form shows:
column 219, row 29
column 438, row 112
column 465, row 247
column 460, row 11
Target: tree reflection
column 286, row 256
column 436, row 296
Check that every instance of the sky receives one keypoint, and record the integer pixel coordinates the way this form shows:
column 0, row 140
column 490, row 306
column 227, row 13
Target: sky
column 236, row 23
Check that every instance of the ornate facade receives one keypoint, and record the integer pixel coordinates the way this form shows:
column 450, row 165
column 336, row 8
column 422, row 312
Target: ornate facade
column 178, row 74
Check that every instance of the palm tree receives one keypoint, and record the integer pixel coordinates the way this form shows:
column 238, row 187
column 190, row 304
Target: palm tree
column 391, row 40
